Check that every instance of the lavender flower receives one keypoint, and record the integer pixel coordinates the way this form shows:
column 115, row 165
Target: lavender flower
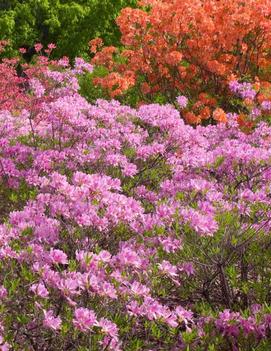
column 266, row 105
column 182, row 101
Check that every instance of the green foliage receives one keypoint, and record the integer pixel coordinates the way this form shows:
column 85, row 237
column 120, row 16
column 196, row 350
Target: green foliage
column 69, row 24
column 87, row 88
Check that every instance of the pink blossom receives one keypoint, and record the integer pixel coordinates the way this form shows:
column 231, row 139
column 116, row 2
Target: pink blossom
column 51, row 46
column 108, row 327
column 3, row 292
column 169, row 269
column 37, row 87
column 40, row 290
column 188, row 268
column 84, row 319
column 182, row 101
column 58, row 256
column 38, row 47
column 139, row 289
column 50, row 321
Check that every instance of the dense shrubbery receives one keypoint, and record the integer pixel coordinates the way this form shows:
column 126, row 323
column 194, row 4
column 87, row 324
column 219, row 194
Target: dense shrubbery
column 127, row 229
column 194, row 47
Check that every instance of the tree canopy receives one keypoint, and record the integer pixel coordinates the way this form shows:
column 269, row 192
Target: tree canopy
column 69, row 24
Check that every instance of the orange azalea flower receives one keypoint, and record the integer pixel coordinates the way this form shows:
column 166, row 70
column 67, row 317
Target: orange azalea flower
column 94, row 44
column 261, row 98
column 257, row 84
column 156, row 39
column 191, row 118
column 248, row 102
column 219, row 115
column 174, row 58
column 203, row 97
column 211, row 102
column 205, row 113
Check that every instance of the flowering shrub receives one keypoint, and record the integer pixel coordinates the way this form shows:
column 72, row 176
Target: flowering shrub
column 127, row 229
column 10, row 82
column 189, row 47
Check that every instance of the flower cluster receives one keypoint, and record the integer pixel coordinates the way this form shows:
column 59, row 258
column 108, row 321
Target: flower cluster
column 119, row 221
column 191, row 47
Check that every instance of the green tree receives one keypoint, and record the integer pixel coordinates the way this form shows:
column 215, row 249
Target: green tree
column 67, row 23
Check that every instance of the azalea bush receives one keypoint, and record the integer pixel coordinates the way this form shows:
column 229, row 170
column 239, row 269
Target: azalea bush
column 189, row 47
column 126, row 228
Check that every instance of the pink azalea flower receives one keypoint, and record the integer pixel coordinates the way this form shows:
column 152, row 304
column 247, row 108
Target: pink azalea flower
column 50, row 321
column 182, row 101
column 108, row 327
column 40, row 290
column 169, row 269
column 38, row 47
column 3, row 292
column 58, row 256
column 84, row 319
